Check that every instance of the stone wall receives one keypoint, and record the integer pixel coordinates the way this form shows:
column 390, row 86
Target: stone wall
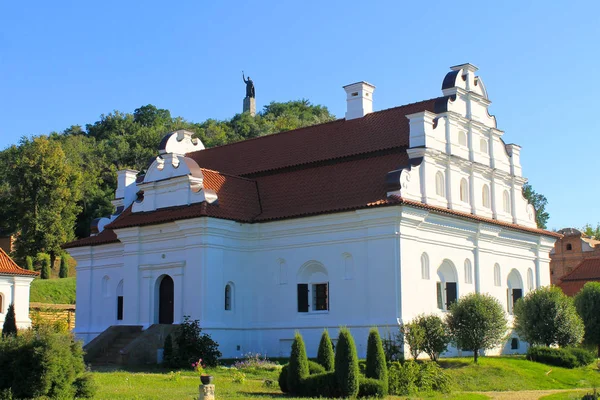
column 53, row 314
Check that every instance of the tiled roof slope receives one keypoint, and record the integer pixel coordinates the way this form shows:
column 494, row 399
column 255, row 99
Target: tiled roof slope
column 9, row 267
column 587, row 271
column 376, row 131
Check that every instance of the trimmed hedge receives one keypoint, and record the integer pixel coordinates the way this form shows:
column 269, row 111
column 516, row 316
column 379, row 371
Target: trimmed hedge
column 376, row 365
column 315, row 368
column 298, row 366
column 369, row 387
column 321, row 385
column 567, row 357
column 283, row 379
column 412, row 377
column 346, row 364
column 325, row 355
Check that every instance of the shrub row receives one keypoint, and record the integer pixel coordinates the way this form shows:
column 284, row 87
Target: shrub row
column 567, row 357
column 411, row 377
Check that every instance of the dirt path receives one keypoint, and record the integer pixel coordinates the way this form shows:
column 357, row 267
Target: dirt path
column 525, row 394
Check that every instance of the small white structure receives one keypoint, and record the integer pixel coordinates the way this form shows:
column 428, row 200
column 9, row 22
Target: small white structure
column 14, row 288
column 365, row 221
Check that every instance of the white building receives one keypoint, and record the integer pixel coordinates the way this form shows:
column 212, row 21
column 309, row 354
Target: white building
column 14, row 289
column 365, row 221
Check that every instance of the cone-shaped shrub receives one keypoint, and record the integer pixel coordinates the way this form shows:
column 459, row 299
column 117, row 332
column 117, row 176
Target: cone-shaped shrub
column 325, row 356
column 29, row 263
column 346, row 364
column 10, row 322
column 64, row 267
column 298, row 365
column 376, row 364
column 45, row 268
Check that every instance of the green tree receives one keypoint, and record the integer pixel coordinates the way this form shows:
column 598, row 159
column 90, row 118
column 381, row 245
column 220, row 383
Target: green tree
column 325, row 355
column 587, row 302
column 64, row 266
column 298, row 365
column 592, row 232
column 44, row 193
column 45, row 272
column 539, row 202
column 477, row 322
column 546, row 316
column 435, row 335
column 10, row 322
column 29, row 263
column 414, row 336
column 376, row 364
column 346, row 364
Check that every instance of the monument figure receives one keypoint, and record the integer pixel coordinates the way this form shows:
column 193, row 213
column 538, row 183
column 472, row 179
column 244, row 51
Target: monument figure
column 249, row 100
column 249, row 86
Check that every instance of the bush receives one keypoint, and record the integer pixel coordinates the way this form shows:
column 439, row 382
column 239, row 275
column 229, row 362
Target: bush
column 346, row 364
column 192, row 344
column 298, row 365
column 393, row 345
column 283, row 377
column 325, row 355
column 253, row 362
column 42, row 363
column 376, row 364
column 320, row 385
column 44, row 260
column 10, row 323
column 566, row 357
column 413, row 377
column 432, row 378
column 64, row 267
column 369, row 387
column 29, row 263
column 168, row 353
column 315, row 368
column 436, row 336
column 85, row 386
column 587, row 302
column 414, row 336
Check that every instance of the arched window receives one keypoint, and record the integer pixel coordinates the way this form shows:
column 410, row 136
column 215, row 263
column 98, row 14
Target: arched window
column 483, row 146
column 462, row 138
column 514, row 290
column 228, row 297
column 529, row 279
column 120, row 301
column 439, row 184
column 486, row 196
column 447, row 285
column 468, row 271
column 506, row 202
column 313, row 288
column 497, row 278
column 424, row 266
column 464, row 190
column 514, row 344
column 569, row 247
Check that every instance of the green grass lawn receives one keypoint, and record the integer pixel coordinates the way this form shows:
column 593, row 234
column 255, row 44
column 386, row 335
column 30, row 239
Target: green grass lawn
column 492, row 374
column 53, row 291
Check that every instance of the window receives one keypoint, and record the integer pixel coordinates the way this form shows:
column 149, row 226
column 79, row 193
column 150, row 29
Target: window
column 446, row 287
column 506, row 202
column 440, row 298
column 120, row 301
column 529, row 279
column 514, row 291
column 464, row 190
column 497, row 278
column 439, row 184
column 514, row 344
column 483, row 146
column 228, row 297
column 468, row 271
column 486, row 196
column 569, row 247
column 424, row 266
column 462, row 139
column 319, row 299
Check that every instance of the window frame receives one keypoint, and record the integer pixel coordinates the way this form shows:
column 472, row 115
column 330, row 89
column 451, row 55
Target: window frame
column 311, row 298
column 228, row 306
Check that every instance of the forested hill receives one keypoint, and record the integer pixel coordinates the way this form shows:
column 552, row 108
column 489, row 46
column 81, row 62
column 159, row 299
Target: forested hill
column 52, row 186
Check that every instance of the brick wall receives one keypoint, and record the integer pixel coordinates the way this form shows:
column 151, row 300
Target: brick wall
column 568, row 253
column 63, row 314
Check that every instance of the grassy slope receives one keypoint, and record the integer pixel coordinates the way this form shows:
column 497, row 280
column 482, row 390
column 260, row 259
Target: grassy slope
column 54, row 291
column 516, row 373
column 492, row 374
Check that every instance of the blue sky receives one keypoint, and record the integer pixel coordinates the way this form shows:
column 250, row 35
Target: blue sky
column 64, row 63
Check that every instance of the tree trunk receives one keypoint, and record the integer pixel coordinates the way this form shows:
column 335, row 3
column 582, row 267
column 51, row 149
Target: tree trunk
column 475, row 355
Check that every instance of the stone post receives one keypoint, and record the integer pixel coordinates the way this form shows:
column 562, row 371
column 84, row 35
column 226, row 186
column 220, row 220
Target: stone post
column 207, row 392
column 250, row 105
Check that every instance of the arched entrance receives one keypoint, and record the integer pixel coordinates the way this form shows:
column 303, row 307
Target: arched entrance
column 165, row 300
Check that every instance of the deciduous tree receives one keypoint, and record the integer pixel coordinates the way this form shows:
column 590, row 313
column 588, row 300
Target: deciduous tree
column 587, row 303
column 539, row 202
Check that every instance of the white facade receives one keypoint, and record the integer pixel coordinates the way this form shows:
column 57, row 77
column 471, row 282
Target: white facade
column 460, row 224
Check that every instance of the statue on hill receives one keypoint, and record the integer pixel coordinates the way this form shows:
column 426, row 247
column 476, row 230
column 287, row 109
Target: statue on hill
column 249, row 86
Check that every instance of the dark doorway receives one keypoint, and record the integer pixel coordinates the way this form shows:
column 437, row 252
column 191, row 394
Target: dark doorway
column 119, row 308
column 165, row 300
column 451, row 294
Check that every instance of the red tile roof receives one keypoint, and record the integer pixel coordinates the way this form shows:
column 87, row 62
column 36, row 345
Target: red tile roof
column 587, row 271
column 9, row 267
column 326, row 168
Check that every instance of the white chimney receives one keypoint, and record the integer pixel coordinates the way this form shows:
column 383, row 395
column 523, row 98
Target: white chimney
column 126, row 188
column 359, row 99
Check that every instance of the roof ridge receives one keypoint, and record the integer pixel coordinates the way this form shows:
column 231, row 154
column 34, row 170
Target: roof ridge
column 309, row 126
column 227, row 174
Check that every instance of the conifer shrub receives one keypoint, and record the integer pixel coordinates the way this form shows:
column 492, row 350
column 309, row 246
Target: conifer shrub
column 321, row 385
column 64, row 267
column 45, row 264
column 10, row 322
column 191, row 344
column 376, row 365
column 168, row 353
column 315, row 368
column 369, row 387
column 283, row 377
column 85, row 386
column 346, row 364
column 298, row 365
column 29, row 263
column 325, row 355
